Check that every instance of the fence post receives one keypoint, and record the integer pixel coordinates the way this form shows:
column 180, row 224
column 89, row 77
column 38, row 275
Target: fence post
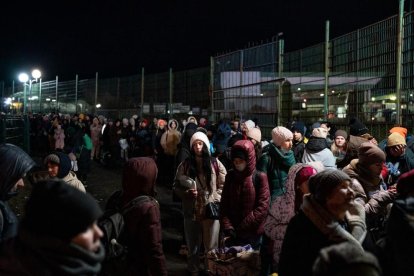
column 171, row 95
column 142, row 92
column 57, row 100
column 399, row 59
column 211, row 89
column 325, row 102
column 280, row 84
column 26, row 133
column 40, row 96
column 96, row 92
column 76, row 93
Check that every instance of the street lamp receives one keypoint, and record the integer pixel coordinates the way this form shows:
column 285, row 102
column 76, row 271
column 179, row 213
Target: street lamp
column 24, row 78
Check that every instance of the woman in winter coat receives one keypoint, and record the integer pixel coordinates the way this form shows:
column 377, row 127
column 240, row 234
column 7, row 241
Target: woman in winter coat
column 399, row 158
column 317, row 149
column 199, row 181
column 370, row 189
column 328, row 216
column 14, row 165
column 284, row 207
column 95, row 129
column 143, row 223
column 245, row 201
column 277, row 160
column 59, row 137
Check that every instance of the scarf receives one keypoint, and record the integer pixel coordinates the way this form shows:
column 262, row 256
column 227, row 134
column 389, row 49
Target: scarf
column 331, row 227
column 61, row 257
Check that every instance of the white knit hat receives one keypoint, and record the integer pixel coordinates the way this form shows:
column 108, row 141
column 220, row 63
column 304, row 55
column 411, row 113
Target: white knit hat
column 250, row 124
column 281, row 134
column 320, row 132
column 255, row 134
column 202, row 137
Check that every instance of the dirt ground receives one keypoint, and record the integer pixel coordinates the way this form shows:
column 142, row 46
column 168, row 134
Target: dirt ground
column 102, row 182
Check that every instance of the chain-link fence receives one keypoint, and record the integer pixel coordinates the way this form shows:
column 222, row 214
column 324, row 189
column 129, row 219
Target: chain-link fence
column 354, row 75
column 177, row 93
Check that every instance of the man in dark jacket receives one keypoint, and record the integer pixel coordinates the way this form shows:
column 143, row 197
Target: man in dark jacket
column 58, row 234
column 14, row 165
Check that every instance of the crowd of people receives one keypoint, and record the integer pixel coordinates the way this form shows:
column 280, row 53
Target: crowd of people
column 314, row 200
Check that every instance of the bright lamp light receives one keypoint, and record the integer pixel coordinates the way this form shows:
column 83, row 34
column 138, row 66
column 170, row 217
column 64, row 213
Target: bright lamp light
column 23, row 77
column 36, row 73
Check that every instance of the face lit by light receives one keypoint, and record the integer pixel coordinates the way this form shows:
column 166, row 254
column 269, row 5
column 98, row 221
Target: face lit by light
column 339, row 141
column 287, row 144
column 297, row 136
column 19, row 184
column 90, row 238
column 198, row 147
column 52, row 169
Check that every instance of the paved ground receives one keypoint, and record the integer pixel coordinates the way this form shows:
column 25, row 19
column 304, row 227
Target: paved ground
column 103, row 181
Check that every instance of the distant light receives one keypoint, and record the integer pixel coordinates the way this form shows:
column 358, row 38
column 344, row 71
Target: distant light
column 36, row 73
column 261, row 94
column 48, row 99
column 373, row 99
column 23, row 77
column 8, row 101
column 373, row 118
column 411, row 95
column 333, row 91
column 305, row 100
column 393, row 98
column 54, row 100
column 33, row 98
column 98, row 105
column 299, row 89
column 321, row 94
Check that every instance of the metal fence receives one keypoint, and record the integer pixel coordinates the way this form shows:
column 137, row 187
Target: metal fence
column 168, row 94
column 15, row 130
column 354, row 75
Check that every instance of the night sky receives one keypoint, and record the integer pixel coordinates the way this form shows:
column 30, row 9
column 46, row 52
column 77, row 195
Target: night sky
column 117, row 38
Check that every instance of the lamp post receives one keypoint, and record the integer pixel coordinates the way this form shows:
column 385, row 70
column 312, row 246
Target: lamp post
column 24, row 78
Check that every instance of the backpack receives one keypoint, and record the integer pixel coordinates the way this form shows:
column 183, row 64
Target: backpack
column 112, row 225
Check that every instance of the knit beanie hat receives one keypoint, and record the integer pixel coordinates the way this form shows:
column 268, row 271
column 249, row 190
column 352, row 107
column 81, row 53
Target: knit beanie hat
column 200, row 136
column 401, row 130
column 405, row 184
column 320, row 132
column 63, row 160
column 250, row 124
column 345, row 257
column 57, row 209
column 356, row 128
column 161, row 122
column 323, row 183
column 255, row 133
column 395, row 139
column 368, row 154
column 341, row 133
column 281, row 134
column 298, row 127
column 304, row 174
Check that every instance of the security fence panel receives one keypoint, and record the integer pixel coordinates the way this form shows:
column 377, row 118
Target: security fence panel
column 407, row 81
column 304, row 72
column 246, row 85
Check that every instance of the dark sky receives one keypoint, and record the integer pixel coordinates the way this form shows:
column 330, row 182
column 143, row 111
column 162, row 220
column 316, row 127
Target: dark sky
column 117, row 38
